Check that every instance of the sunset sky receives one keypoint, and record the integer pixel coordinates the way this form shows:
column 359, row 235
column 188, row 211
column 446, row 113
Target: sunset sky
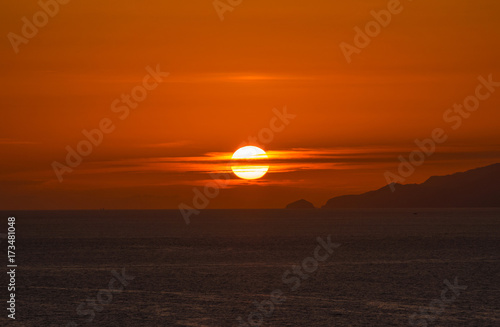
column 226, row 81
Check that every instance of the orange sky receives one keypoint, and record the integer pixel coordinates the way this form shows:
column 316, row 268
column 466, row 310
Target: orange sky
column 352, row 120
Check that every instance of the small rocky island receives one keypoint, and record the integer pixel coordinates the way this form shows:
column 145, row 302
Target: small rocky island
column 300, row 204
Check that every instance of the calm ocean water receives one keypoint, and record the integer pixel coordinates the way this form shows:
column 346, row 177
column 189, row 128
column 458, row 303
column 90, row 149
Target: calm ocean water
column 148, row 268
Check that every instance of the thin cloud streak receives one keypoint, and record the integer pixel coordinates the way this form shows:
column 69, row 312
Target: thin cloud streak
column 6, row 141
column 281, row 161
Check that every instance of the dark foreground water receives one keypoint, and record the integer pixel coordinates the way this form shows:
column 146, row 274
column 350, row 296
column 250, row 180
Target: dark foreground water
column 389, row 270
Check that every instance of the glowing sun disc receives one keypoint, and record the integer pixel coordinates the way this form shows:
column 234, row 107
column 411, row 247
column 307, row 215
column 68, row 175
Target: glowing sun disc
column 250, row 171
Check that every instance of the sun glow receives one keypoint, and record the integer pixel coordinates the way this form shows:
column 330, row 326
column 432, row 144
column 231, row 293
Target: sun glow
column 246, row 170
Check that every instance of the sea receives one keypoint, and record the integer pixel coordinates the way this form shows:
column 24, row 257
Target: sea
column 311, row 267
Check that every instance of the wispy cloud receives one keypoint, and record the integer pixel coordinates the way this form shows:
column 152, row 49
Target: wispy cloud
column 296, row 167
column 283, row 161
column 6, row 141
column 176, row 144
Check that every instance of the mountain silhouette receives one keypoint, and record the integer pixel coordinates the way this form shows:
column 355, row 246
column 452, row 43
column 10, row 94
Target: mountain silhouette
column 479, row 187
column 300, row 204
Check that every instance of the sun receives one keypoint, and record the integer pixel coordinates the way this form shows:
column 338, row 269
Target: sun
column 246, row 170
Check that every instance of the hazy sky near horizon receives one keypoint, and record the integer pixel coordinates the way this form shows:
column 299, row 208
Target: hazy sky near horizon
column 352, row 120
